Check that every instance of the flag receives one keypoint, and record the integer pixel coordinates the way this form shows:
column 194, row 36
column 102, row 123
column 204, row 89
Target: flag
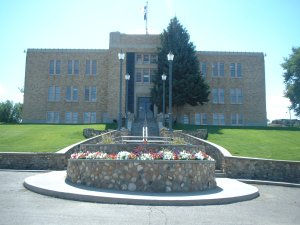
column 145, row 11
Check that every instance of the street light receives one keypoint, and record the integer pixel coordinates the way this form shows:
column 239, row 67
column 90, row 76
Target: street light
column 121, row 56
column 164, row 77
column 170, row 57
column 127, row 78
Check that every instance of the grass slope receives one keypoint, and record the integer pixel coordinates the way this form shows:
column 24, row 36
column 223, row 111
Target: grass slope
column 258, row 142
column 41, row 138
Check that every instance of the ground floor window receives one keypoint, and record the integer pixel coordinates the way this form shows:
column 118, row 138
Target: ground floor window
column 200, row 119
column 52, row 117
column 218, row 119
column 237, row 119
column 71, row 117
column 89, row 117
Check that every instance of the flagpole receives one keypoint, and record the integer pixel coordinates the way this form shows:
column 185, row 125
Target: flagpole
column 146, row 16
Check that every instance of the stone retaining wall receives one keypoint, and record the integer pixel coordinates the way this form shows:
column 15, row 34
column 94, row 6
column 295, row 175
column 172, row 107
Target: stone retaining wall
column 262, row 169
column 32, row 161
column 144, row 176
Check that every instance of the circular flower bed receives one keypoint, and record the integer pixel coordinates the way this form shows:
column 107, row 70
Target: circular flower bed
column 146, row 171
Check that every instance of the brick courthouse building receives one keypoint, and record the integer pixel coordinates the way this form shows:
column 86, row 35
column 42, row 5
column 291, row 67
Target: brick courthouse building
column 82, row 85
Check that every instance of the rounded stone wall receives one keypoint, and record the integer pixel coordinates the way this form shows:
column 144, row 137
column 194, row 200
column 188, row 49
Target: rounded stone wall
column 143, row 176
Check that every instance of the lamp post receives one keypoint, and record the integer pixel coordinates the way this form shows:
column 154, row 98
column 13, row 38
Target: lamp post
column 121, row 56
column 127, row 78
column 170, row 57
column 164, row 77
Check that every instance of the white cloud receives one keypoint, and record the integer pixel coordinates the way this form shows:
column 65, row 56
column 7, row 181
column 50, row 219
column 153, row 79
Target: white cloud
column 277, row 108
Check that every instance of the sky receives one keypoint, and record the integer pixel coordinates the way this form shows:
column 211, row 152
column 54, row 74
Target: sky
column 268, row 26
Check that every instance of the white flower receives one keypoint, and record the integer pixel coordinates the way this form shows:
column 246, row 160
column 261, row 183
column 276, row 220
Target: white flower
column 185, row 155
column 168, row 155
column 199, row 156
column 123, row 155
column 146, row 156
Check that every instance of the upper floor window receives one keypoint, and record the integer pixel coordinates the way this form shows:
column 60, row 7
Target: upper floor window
column 236, row 96
column 91, row 67
column 54, row 67
column 72, row 94
column 90, row 94
column 139, row 58
column 153, row 58
column 146, row 58
column 73, row 67
column 144, row 75
column 235, row 70
column 218, row 95
column 218, row 119
column 203, row 69
column 218, row 69
column 53, row 93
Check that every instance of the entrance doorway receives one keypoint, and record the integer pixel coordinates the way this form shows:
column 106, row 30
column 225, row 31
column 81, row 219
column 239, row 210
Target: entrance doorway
column 145, row 108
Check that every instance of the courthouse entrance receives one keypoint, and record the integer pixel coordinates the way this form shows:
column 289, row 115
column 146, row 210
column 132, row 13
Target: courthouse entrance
column 145, row 108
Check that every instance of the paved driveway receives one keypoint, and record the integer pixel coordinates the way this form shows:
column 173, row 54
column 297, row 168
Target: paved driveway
column 276, row 205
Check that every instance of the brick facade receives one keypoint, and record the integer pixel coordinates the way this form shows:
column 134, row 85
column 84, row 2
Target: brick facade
column 47, row 94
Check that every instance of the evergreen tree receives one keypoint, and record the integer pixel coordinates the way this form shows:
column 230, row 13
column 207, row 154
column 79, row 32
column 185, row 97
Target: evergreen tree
column 188, row 86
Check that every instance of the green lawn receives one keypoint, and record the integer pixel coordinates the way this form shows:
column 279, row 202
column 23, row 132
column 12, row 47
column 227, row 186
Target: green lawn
column 266, row 142
column 41, row 138
column 260, row 142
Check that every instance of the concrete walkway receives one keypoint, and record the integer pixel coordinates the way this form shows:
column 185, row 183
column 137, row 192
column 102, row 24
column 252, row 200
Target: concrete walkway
column 54, row 184
column 275, row 206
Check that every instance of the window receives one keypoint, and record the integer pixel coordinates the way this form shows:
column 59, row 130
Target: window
column 87, row 67
column 71, row 117
column 153, row 58
column 54, row 66
column 153, row 72
column 76, row 67
column 146, row 59
column 51, row 67
column 218, row 119
column 235, row 70
column 186, row 119
column 139, row 59
column 57, row 67
column 218, row 95
column 236, row 96
column 218, row 69
column 146, row 76
column 72, row 94
column 89, row 117
column 90, row 94
column 70, row 67
column 52, row 117
column 203, row 69
column 73, row 67
column 90, row 67
column 200, row 119
column 138, row 75
column 236, row 119
column 53, row 94
column 94, row 67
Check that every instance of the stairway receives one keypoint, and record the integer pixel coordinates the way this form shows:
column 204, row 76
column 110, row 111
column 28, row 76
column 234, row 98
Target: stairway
column 137, row 127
